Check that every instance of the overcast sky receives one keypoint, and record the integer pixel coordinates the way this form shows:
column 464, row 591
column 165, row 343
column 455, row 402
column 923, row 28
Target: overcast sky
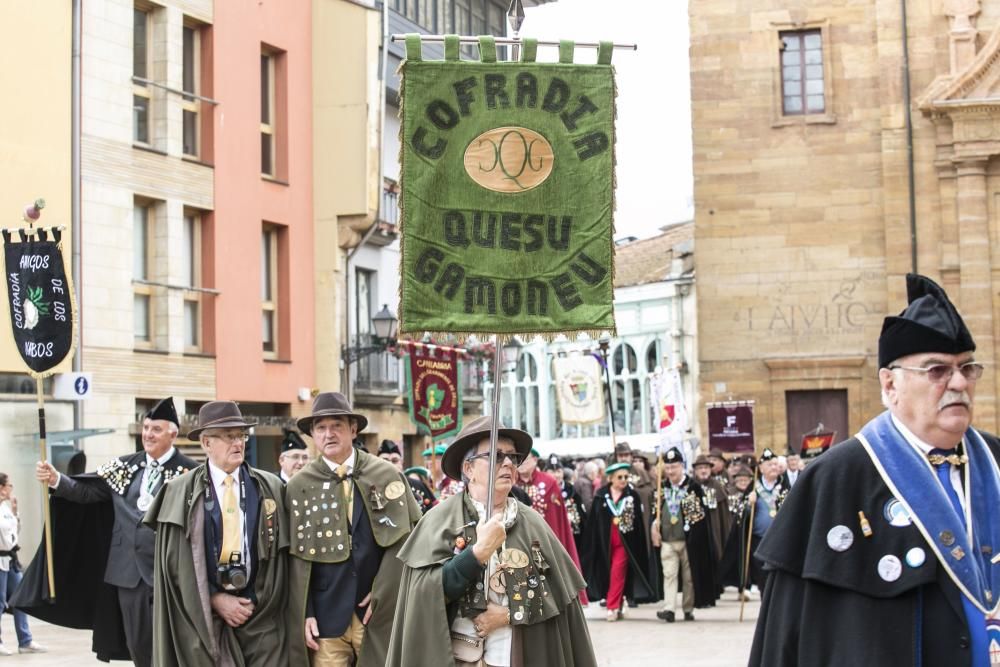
column 654, row 106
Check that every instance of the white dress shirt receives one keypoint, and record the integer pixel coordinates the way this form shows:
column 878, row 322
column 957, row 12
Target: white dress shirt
column 144, row 489
column 8, row 533
column 218, row 475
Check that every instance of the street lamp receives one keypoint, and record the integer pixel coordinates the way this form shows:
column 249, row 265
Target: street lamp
column 385, row 324
column 512, row 353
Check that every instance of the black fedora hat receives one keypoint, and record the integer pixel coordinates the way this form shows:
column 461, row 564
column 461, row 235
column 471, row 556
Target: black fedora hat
column 219, row 414
column 471, row 435
column 331, row 404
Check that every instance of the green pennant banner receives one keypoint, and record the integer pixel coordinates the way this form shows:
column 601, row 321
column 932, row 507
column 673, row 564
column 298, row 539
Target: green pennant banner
column 508, row 193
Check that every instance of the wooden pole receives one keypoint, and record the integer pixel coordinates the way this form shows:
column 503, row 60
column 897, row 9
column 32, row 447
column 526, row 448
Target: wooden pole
column 746, row 566
column 659, row 486
column 45, row 490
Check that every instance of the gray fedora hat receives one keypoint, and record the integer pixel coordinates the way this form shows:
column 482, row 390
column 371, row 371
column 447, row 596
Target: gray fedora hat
column 331, row 404
column 219, row 414
column 471, row 435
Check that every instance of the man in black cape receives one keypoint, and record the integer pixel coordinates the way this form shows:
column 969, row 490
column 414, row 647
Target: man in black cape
column 103, row 554
column 870, row 560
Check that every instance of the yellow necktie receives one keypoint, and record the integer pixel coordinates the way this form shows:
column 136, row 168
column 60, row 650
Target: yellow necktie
column 232, row 539
column 347, row 490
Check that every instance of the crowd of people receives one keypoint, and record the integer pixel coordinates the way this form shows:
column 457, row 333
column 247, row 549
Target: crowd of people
column 348, row 559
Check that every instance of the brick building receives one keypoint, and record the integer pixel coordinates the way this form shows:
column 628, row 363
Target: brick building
column 808, row 123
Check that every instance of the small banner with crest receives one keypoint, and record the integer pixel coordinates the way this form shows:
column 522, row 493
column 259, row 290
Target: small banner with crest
column 40, row 297
column 580, row 389
column 508, row 192
column 434, row 391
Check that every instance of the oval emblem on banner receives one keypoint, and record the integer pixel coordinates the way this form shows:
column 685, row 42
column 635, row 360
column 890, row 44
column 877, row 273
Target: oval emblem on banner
column 509, row 159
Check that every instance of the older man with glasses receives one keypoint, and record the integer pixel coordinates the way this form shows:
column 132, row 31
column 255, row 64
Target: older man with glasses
column 499, row 592
column 220, row 591
column 887, row 550
column 294, row 455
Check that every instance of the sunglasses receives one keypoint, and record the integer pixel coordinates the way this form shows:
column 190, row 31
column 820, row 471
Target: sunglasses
column 515, row 457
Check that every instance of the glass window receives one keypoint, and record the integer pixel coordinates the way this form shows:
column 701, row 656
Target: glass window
column 802, row 84
column 269, row 291
column 191, row 277
column 140, row 119
column 140, row 43
column 363, row 303
column 140, row 242
column 141, row 317
column 267, row 121
column 190, row 105
column 141, row 93
column 142, row 270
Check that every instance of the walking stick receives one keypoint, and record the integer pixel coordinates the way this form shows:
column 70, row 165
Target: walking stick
column 46, row 511
column 659, row 486
column 746, row 566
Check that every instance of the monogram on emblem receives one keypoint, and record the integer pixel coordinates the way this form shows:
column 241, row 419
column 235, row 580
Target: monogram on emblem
column 509, row 159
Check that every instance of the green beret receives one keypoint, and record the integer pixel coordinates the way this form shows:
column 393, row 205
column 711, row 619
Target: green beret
column 420, row 470
column 615, row 467
column 534, row 452
column 438, row 451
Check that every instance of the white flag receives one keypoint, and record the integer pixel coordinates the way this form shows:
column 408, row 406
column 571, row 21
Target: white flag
column 580, row 390
column 670, row 413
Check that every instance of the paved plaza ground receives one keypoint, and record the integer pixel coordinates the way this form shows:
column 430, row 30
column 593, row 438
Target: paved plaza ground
column 714, row 639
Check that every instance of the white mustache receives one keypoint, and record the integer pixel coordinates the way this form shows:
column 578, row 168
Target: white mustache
column 954, row 397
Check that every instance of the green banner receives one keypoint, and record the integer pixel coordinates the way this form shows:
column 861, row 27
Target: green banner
column 508, row 193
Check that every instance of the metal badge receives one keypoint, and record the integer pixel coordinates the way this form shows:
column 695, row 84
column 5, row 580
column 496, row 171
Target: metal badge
column 958, row 553
column 889, row 568
column 840, row 538
column 896, row 514
column 916, row 557
column 514, row 558
column 947, row 538
column 394, row 490
column 144, row 502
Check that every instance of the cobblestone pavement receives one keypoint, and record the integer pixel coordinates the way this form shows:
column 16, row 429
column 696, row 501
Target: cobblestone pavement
column 715, row 639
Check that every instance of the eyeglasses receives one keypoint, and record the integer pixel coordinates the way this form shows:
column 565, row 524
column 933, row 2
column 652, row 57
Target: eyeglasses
column 941, row 373
column 297, row 457
column 232, row 438
column 515, row 457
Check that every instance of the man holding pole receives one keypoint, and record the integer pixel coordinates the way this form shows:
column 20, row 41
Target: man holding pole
column 890, row 541
column 123, row 490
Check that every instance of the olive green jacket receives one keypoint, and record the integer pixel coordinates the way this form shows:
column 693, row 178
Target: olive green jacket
column 185, row 631
column 392, row 513
column 549, row 629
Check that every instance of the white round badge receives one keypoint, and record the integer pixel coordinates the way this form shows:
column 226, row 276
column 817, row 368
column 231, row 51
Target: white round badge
column 889, row 568
column 840, row 538
column 915, row 557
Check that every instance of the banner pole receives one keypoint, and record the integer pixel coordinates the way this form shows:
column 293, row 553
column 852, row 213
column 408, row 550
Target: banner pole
column 746, row 566
column 47, row 514
column 494, row 427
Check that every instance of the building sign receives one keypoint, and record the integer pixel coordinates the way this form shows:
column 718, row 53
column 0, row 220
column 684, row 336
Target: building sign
column 730, row 427
column 508, row 183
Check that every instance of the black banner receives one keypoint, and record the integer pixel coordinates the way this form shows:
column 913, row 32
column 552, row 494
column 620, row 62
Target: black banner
column 39, row 297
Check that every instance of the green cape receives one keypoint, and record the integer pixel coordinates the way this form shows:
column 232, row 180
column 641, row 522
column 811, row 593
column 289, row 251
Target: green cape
column 185, row 632
column 421, row 635
column 379, row 483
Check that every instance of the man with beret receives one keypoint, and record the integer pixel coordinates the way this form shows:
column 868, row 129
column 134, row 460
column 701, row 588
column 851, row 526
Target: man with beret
column 419, row 479
column 349, row 513
column 889, row 542
column 442, row 485
column 719, row 465
column 97, row 519
column 221, row 555
column 681, row 534
column 545, row 496
column 294, row 455
column 793, row 463
column 529, row 614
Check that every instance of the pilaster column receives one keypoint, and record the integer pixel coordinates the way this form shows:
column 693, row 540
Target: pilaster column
column 975, row 293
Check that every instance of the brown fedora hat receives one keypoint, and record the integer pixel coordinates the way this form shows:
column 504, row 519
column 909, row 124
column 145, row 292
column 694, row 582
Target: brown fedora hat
column 702, row 460
column 219, row 414
column 331, row 404
column 471, row 435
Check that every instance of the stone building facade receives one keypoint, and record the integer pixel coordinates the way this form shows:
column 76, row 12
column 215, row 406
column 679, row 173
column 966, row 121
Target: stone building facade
column 831, row 157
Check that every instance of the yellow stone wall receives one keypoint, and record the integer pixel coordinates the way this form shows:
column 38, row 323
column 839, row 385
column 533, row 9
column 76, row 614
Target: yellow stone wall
column 802, row 223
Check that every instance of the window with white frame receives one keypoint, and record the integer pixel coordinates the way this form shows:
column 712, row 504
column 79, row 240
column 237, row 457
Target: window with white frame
column 268, row 152
column 269, row 291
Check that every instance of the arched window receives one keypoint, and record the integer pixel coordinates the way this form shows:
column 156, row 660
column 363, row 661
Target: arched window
column 653, row 355
column 524, row 383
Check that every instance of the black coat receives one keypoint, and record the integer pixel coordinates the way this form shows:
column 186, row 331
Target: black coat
column 698, row 542
column 597, row 536
column 84, row 540
column 827, row 607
